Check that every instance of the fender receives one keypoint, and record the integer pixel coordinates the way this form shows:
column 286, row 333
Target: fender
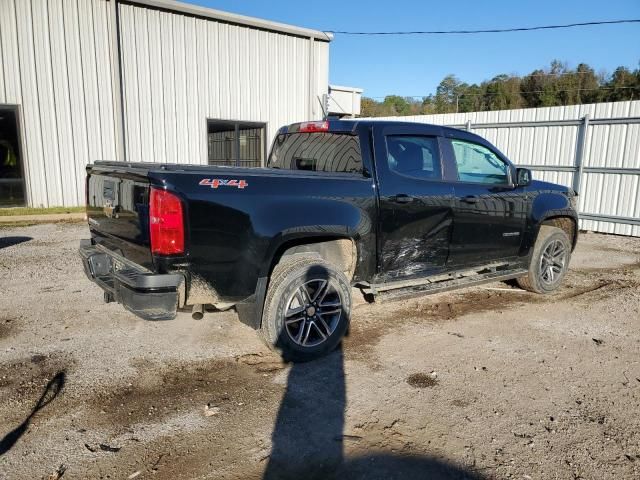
column 545, row 205
column 334, row 220
column 364, row 261
column 250, row 310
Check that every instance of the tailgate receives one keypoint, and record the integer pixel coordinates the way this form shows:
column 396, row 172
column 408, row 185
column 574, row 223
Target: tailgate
column 118, row 211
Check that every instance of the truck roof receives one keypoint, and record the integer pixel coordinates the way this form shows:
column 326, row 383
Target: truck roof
column 352, row 125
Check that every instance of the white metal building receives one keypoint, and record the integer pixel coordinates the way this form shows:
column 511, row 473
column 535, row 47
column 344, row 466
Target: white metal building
column 143, row 80
column 344, row 101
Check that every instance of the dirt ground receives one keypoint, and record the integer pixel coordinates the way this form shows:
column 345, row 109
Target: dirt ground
column 487, row 382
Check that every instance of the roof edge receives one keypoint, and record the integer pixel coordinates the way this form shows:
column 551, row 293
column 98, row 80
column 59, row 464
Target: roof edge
column 234, row 18
column 342, row 88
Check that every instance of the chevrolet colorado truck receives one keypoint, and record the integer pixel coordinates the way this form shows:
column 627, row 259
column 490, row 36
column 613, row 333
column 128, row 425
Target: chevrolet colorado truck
column 390, row 208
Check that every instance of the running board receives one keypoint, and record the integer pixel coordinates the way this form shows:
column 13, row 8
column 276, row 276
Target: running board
column 388, row 292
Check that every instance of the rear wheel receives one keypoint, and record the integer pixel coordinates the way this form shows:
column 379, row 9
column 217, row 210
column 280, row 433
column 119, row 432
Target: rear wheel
column 549, row 261
column 307, row 308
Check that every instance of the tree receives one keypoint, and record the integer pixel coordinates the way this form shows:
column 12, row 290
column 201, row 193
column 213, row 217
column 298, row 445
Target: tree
column 503, row 93
column 368, row 107
column 532, row 86
column 623, row 85
column 471, row 98
column 395, row 105
column 447, row 95
column 589, row 85
column 556, row 85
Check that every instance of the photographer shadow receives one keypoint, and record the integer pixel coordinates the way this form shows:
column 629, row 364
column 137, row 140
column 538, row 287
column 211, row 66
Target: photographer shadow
column 50, row 392
column 308, row 436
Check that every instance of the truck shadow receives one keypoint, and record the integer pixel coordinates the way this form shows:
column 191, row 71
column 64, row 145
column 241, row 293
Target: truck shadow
column 51, row 391
column 308, row 436
column 11, row 241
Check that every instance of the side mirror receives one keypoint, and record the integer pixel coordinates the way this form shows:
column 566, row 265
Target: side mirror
column 523, row 177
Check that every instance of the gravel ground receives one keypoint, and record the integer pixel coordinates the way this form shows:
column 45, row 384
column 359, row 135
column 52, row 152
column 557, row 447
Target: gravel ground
column 487, row 382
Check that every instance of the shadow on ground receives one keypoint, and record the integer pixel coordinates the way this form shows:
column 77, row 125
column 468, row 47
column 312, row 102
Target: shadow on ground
column 307, row 440
column 51, row 391
column 11, row 241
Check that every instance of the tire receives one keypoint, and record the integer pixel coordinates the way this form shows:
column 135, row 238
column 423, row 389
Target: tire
column 549, row 261
column 307, row 308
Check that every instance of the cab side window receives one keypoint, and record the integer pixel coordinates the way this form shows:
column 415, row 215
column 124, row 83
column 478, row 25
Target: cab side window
column 477, row 164
column 414, row 156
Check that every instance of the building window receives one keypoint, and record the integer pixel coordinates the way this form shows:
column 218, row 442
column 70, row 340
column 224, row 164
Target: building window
column 11, row 179
column 240, row 144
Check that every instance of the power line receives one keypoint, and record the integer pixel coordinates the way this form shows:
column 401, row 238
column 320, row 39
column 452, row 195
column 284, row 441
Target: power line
column 518, row 91
column 493, row 30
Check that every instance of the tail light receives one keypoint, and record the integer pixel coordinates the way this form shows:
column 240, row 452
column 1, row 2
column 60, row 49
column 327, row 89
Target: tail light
column 166, row 223
column 311, row 127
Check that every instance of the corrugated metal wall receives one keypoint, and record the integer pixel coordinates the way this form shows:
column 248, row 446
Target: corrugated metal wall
column 180, row 70
column 58, row 64
column 55, row 65
column 553, row 150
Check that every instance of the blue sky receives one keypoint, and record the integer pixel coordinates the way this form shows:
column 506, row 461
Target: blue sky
column 414, row 65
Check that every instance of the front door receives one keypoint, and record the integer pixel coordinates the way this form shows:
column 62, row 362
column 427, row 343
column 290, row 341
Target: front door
column 489, row 211
column 415, row 218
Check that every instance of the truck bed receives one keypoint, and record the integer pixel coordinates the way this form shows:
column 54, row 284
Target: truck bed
column 234, row 217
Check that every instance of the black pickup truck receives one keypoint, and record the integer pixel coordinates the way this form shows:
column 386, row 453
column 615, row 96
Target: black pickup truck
column 389, row 208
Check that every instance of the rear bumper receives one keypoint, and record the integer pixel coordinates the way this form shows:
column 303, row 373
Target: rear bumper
column 150, row 296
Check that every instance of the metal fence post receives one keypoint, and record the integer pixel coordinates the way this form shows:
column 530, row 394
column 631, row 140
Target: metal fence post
column 580, row 152
column 468, row 125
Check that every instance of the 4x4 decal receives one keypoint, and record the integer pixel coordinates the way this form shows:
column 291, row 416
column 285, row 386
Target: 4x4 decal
column 221, row 182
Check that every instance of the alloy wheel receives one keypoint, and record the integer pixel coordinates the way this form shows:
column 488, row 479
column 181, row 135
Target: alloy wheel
column 313, row 313
column 553, row 262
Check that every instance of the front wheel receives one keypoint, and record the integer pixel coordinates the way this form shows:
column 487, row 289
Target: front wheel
column 307, row 308
column 549, row 261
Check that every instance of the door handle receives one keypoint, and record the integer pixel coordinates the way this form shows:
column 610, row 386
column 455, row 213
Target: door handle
column 402, row 198
column 470, row 199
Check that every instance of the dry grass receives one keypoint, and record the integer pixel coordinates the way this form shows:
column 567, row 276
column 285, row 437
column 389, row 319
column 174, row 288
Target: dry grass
column 11, row 212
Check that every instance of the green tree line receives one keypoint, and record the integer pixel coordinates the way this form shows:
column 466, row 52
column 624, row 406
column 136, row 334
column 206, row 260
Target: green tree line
column 554, row 86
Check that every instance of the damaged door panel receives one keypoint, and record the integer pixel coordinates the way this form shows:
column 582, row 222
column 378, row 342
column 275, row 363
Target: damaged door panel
column 415, row 201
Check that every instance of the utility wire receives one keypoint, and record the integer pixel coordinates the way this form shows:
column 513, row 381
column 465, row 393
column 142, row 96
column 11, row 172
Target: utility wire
column 493, row 30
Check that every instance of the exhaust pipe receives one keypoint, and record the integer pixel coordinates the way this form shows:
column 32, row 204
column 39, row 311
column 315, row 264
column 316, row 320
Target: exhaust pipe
column 197, row 312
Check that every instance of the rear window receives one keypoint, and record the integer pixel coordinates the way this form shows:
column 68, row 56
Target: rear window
column 317, row 152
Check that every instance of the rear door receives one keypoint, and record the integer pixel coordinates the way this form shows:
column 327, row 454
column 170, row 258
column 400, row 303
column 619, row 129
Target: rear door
column 415, row 209
column 489, row 211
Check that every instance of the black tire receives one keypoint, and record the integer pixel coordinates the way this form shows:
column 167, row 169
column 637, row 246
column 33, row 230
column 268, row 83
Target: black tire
column 549, row 261
column 323, row 321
